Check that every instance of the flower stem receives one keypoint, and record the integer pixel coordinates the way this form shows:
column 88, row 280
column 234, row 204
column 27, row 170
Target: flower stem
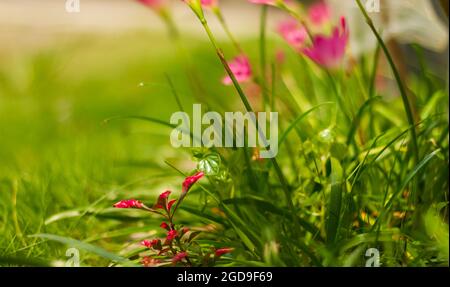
column 406, row 102
column 249, row 108
column 262, row 54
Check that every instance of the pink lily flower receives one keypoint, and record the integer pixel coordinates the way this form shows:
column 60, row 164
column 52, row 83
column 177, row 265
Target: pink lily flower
column 319, row 13
column 154, row 4
column 209, row 3
column 293, row 32
column 240, row 66
column 328, row 51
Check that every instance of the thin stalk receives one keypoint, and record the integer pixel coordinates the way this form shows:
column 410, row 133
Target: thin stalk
column 406, row 102
column 248, row 107
column 262, row 54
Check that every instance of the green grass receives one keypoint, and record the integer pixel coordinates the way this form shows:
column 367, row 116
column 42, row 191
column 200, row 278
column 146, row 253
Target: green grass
column 62, row 167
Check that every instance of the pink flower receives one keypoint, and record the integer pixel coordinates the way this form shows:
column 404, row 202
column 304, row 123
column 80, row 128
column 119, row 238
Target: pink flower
column 180, row 256
column 162, row 200
column 191, row 180
column 209, row 3
column 240, row 66
column 154, row 4
column 328, row 51
column 293, row 32
column 265, row 2
column 129, row 203
column 171, row 235
column 269, row 2
column 222, row 251
column 319, row 13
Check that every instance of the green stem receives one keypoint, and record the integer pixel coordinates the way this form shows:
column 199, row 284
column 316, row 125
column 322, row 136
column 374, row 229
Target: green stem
column 248, row 107
column 262, row 54
column 406, row 102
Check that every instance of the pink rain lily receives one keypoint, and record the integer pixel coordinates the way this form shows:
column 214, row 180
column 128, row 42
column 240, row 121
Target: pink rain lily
column 270, row 2
column 293, row 32
column 129, row 203
column 240, row 66
column 328, row 51
column 209, row 3
column 319, row 13
column 190, row 180
column 154, row 4
column 265, row 2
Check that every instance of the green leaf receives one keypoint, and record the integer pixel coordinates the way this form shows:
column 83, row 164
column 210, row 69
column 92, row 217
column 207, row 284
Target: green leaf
column 335, row 201
column 86, row 247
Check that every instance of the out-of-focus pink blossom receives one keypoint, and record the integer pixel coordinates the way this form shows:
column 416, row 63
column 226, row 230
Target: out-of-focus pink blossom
column 154, row 4
column 270, row 2
column 240, row 66
column 209, row 3
column 328, row 51
column 293, row 32
column 319, row 13
column 190, row 180
column 265, row 2
column 129, row 203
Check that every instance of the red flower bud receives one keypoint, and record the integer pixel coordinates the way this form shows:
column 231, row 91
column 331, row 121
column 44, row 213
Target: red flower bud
column 129, row 203
column 164, row 225
column 190, row 180
column 146, row 243
column 180, row 256
column 171, row 235
column 222, row 251
column 169, row 205
column 162, row 200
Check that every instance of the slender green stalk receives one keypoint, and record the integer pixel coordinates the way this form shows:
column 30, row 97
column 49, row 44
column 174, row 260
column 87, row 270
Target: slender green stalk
column 248, row 107
column 406, row 102
column 262, row 55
